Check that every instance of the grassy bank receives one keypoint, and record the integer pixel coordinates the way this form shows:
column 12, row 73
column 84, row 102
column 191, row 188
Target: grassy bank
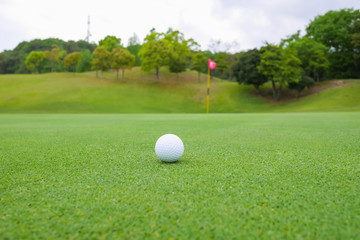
column 141, row 93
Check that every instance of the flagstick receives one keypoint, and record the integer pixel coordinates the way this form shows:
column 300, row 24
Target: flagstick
column 208, row 92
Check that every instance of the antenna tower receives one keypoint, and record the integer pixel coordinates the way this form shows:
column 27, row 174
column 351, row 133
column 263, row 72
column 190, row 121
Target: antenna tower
column 88, row 31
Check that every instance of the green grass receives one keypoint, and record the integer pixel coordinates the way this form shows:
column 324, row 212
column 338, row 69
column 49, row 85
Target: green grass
column 70, row 93
column 141, row 93
column 242, row 176
column 345, row 98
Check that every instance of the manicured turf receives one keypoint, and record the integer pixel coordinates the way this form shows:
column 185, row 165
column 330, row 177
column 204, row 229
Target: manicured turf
column 242, row 176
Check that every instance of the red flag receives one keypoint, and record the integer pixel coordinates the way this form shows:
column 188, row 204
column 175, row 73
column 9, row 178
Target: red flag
column 212, row 64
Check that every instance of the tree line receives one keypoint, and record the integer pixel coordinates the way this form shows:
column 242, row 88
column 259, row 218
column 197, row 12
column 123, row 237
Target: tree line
column 329, row 49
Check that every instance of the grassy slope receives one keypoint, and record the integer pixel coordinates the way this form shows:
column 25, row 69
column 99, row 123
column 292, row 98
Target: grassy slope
column 64, row 92
column 84, row 93
column 345, row 98
column 242, row 176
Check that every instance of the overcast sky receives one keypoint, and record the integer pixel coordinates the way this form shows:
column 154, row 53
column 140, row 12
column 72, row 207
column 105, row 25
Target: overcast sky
column 243, row 24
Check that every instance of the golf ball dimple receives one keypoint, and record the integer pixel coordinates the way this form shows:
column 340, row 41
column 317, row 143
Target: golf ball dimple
column 169, row 148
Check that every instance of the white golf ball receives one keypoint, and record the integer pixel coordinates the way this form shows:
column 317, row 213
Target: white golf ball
column 169, row 148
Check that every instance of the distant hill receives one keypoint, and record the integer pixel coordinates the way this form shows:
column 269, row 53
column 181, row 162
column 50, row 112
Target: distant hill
column 141, row 93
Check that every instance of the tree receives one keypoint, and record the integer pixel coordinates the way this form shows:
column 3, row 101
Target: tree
column 72, row 59
column 180, row 50
column 270, row 65
column 2, row 65
column 281, row 66
column 355, row 33
column 33, row 61
column 53, row 56
column 122, row 59
column 84, row 45
column 305, row 82
column 199, row 63
column 14, row 60
column 71, row 46
column 221, row 64
column 355, row 40
column 318, row 62
column 154, row 53
column 334, row 31
column 110, row 42
column 290, row 69
column 306, row 48
column 246, row 71
column 134, row 47
column 231, row 59
column 85, row 63
column 9, row 62
column 177, row 64
column 101, row 59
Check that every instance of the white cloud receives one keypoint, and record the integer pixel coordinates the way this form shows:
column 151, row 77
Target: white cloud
column 247, row 22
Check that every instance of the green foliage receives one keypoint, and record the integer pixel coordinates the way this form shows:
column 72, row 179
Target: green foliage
column 71, row 46
column 318, row 62
column 271, row 60
column 221, row 64
column 84, row 45
column 166, row 49
column 110, row 42
column 199, row 63
column 14, row 61
column 355, row 31
column 2, row 65
column 305, row 82
column 155, row 53
column 134, row 50
column 290, row 70
column 134, row 47
column 307, row 49
column 180, row 50
column 209, row 55
column 281, row 66
column 79, row 46
column 71, row 60
column 53, row 56
column 232, row 60
column 24, row 48
column 33, row 61
column 101, row 58
column 177, row 64
column 11, row 62
column 355, row 40
column 39, row 45
column 85, row 63
column 245, row 70
column 270, row 64
column 121, row 58
column 334, row 31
